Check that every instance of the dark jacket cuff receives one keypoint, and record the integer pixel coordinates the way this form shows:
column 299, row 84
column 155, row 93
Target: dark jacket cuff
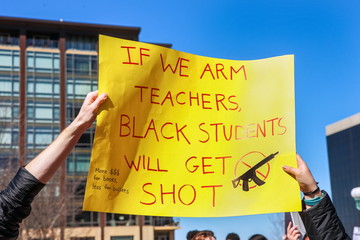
column 322, row 222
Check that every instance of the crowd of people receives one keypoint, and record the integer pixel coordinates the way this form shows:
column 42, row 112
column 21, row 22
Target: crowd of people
column 318, row 215
column 209, row 235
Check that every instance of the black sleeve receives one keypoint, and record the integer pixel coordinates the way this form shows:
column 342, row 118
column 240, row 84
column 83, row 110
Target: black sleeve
column 15, row 202
column 322, row 222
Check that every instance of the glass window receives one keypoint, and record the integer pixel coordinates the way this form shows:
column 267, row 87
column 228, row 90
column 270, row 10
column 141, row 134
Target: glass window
column 42, row 62
column 5, row 138
column 15, row 111
column 9, row 60
column 41, row 40
column 30, row 138
column 56, row 112
column 82, row 163
column 162, row 236
column 16, row 61
column 7, row 39
column 82, row 166
column 5, row 112
column 43, row 138
column 70, row 89
column 82, row 238
column 73, row 111
column 6, row 60
column 30, row 61
column 70, row 166
column 82, row 89
column 15, row 138
column 57, row 88
column 30, row 87
column 45, row 113
column 81, row 64
column 78, row 163
column 43, row 88
column 5, row 86
column 81, row 43
column 94, row 64
column 30, row 112
column 122, row 237
column 16, row 87
column 87, row 218
column 56, row 63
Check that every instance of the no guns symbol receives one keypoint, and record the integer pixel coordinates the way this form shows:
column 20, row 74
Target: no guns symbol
column 255, row 170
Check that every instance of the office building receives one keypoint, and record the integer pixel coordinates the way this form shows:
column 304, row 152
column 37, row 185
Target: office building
column 343, row 143
column 46, row 70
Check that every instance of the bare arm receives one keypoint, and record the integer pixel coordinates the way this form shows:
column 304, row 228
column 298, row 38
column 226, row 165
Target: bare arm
column 44, row 166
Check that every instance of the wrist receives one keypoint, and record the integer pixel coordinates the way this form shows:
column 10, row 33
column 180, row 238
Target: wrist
column 314, row 195
column 77, row 126
column 312, row 192
column 309, row 188
column 75, row 129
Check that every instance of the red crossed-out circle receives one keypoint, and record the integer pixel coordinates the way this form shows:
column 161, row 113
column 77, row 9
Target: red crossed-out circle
column 248, row 161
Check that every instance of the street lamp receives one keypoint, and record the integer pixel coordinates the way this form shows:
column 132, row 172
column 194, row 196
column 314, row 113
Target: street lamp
column 355, row 193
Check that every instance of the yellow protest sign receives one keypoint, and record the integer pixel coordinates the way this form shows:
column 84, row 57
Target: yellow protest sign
column 186, row 135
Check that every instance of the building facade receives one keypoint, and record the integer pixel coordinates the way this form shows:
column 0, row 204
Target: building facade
column 46, row 70
column 343, row 143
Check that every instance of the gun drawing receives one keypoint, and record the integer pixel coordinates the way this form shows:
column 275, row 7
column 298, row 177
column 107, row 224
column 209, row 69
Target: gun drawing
column 251, row 174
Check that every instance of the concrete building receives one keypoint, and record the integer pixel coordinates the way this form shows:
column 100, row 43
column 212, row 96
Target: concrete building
column 46, row 70
column 343, row 143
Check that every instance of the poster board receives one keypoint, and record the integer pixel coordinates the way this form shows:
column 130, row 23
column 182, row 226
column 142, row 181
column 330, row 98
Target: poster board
column 192, row 136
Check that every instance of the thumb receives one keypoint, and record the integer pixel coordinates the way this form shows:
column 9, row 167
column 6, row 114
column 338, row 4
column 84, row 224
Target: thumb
column 290, row 170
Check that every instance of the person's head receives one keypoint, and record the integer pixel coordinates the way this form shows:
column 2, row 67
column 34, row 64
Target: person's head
column 191, row 234
column 257, row 237
column 232, row 236
column 204, row 235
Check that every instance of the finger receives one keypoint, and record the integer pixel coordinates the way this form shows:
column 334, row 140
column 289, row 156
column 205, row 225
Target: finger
column 91, row 97
column 289, row 226
column 100, row 99
column 294, row 228
column 290, row 170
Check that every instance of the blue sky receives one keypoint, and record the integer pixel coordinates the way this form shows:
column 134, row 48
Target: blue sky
column 323, row 35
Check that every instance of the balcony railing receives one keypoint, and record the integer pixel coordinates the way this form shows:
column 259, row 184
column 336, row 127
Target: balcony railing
column 11, row 41
column 43, row 43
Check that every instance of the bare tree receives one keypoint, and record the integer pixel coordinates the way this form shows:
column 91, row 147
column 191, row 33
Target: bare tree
column 49, row 207
column 3, row 123
column 8, row 165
